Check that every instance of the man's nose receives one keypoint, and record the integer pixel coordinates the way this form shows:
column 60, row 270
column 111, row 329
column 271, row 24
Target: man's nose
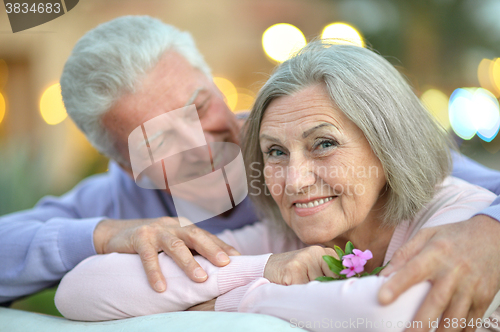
column 299, row 175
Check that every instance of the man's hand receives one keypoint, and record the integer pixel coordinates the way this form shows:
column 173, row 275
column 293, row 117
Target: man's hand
column 299, row 266
column 462, row 262
column 147, row 237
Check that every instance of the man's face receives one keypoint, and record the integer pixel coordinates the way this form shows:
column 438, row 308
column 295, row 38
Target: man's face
column 170, row 85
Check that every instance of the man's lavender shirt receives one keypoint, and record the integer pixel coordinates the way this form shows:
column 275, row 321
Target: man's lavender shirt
column 38, row 246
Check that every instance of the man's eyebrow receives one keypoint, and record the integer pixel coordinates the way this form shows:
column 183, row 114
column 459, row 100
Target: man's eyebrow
column 195, row 95
column 309, row 131
column 204, row 101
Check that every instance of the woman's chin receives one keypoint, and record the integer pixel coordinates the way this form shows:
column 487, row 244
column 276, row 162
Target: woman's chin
column 313, row 232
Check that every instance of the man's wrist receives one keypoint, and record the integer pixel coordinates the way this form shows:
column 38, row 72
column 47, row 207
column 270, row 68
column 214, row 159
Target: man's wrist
column 100, row 235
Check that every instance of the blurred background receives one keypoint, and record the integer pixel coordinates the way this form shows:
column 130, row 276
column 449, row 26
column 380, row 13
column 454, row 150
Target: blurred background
column 448, row 50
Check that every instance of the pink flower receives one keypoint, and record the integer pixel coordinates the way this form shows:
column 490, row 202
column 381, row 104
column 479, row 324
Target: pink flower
column 354, row 265
column 362, row 255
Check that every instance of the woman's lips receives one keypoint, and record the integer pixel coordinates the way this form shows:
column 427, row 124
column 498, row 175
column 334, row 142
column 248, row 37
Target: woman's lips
column 312, row 206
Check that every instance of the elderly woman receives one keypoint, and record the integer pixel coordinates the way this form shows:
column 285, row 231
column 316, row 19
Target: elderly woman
column 338, row 148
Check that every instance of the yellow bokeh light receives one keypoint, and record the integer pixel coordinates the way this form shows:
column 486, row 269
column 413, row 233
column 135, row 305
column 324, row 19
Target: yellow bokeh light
column 488, row 74
column 282, row 40
column 51, row 105
column 2, row 107
column 342, row 33
column 4, row 73
column 246, row 98
column 228, row 90
column 495, row 73
column 436, row 103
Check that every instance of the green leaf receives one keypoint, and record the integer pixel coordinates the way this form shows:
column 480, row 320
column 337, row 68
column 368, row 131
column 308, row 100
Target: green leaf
column 365, row 274
column 349, row 247
column 377, row 270
column 333, row 264
column 325, row 279
column 339, row 251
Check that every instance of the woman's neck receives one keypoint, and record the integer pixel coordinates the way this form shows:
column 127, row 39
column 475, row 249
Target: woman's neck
column 371, row 234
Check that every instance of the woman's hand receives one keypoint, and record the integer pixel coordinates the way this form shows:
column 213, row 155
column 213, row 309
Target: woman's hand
column 299, row 266
column 461, row 260
column 147, row 237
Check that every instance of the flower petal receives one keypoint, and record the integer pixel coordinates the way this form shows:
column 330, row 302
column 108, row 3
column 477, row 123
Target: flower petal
column 359, row 269
column 357, row 261
column 357, row 252
column 347, row 262
column 346, row 271
column 367, row 254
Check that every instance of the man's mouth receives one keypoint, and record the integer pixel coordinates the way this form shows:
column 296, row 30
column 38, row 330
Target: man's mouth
column 314, row 203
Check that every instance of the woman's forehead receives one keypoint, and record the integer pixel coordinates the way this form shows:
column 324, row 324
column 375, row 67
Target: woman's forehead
column 302, row 111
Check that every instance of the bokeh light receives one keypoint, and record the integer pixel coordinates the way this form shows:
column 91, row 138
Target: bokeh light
column 246, row 99
column 2, row 107
column 342, row 33
column 52, row 106
column 496, row 74
column 228, row 90
column 474, row 110
column 282, row 40
column 436, row 103
column 488, row 74
column 4, row 73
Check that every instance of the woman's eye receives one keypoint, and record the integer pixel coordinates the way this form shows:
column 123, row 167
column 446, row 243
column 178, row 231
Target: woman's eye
column 275, row 153
column 325, row 144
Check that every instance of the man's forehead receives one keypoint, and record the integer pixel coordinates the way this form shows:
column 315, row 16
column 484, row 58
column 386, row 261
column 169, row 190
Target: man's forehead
column 173, row 83
column 174, row 73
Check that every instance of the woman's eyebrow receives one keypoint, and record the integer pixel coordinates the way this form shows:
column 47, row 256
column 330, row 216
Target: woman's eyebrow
column 309, row 131
column 269, row 138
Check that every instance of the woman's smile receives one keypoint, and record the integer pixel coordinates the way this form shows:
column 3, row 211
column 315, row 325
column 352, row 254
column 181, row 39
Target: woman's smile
column 304, row 208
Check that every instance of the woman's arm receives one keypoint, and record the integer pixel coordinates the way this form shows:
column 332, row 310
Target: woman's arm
column 115, row 286
column 342, row 305
column 345, row 305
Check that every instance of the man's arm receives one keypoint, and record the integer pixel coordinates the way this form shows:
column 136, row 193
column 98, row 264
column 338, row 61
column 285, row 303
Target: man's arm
column 475, row 173
column 38, row 246
column 437, row 254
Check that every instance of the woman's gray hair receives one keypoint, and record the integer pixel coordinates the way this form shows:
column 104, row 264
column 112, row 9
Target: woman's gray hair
column 413, row 148
column 109, row 61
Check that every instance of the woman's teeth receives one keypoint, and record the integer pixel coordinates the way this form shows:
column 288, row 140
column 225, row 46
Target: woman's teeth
column 313, row 203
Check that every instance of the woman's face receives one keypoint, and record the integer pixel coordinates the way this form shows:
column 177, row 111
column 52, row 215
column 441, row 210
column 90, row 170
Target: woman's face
column 319, row 167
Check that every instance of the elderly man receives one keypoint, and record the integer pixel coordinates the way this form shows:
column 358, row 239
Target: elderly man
column 133, row 69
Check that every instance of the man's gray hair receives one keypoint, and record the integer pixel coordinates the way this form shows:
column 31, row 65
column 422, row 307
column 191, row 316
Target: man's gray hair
column 413, row 148
column 109, row 61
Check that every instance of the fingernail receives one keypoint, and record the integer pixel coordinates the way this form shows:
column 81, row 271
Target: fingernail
column 222, row 257
column 199, row 273
column 385, row 295
column 160, row 286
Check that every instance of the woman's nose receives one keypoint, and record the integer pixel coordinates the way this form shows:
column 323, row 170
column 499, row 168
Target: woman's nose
column 299, row 175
